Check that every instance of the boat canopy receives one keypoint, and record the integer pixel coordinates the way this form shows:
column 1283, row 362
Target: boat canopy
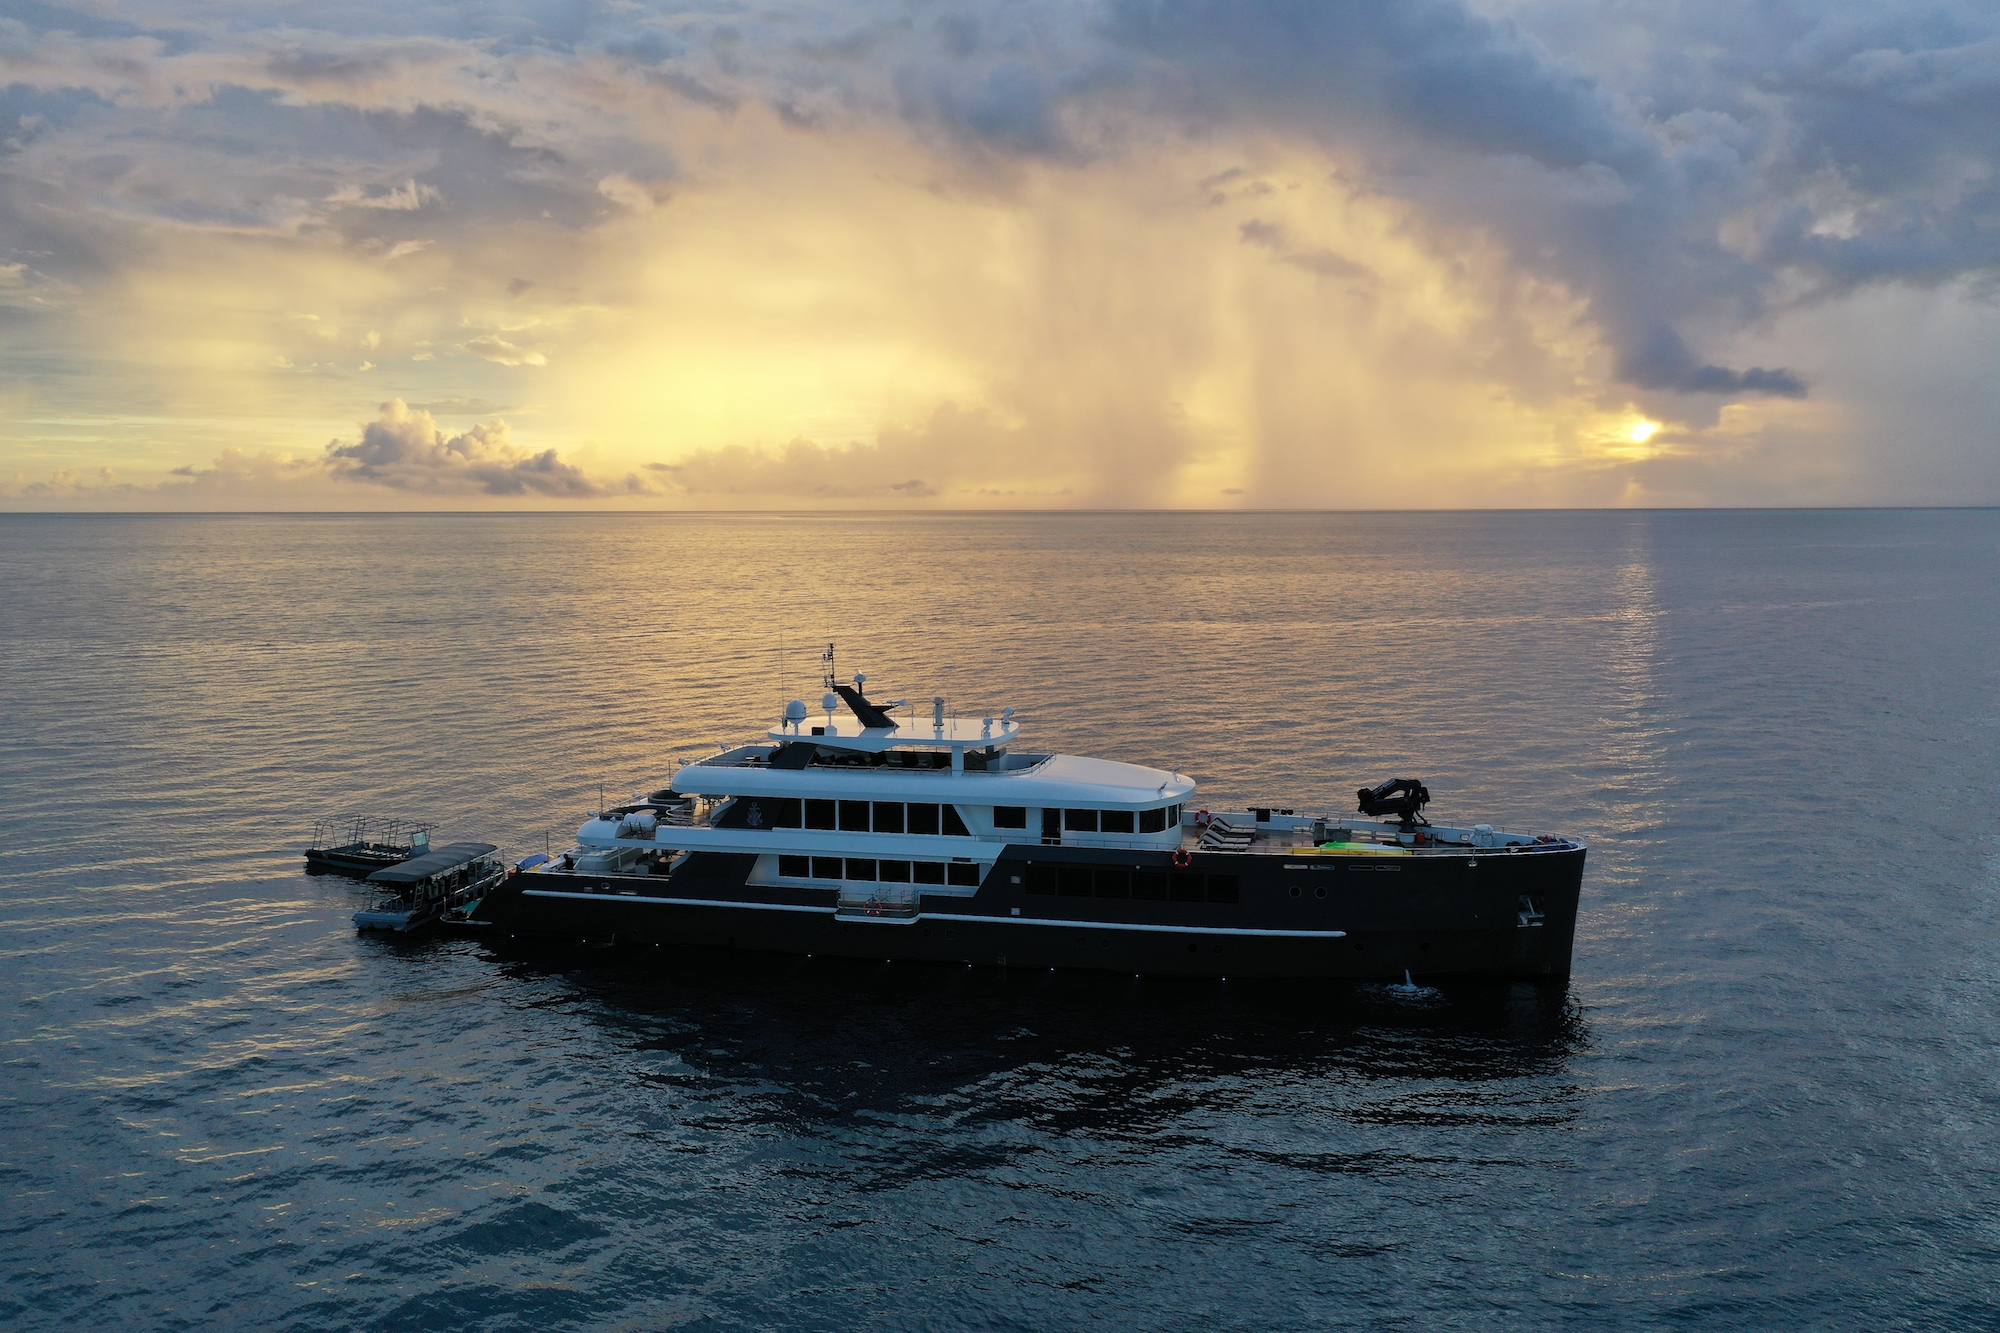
column 440, row 861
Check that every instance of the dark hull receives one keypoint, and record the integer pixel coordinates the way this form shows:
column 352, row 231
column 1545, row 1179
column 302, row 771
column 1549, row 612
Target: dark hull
column 1493, row 915
column 355, row 865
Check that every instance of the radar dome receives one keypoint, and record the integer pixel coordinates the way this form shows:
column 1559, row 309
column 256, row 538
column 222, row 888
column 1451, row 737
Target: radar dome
column 795, row 711
column 829, row 701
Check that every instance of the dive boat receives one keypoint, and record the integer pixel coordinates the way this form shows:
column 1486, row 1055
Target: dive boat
column 359, row 845
column 938, row 838
column 432, row 887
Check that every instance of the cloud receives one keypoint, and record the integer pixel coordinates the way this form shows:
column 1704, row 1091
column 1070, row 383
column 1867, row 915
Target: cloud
column 1155, row 251
column 404, row 449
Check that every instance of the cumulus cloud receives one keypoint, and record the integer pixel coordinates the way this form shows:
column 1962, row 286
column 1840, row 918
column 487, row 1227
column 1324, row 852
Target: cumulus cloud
column 403, row 448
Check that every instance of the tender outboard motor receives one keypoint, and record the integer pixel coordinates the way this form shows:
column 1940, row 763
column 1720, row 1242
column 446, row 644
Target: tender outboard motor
column 1404, row 797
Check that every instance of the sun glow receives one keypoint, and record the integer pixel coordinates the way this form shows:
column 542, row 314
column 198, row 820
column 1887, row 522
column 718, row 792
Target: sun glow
column 1642, row 431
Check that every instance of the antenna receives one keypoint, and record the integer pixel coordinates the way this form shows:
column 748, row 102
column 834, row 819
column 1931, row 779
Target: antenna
column 826, row 668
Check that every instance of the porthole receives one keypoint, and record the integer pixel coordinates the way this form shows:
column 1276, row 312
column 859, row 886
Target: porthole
column 1295, row 890
column 1320, row 892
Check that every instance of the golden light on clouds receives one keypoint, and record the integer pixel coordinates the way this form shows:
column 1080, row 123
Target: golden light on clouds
column 1143, row 259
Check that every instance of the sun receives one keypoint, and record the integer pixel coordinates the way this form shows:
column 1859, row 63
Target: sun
column 1643, row 430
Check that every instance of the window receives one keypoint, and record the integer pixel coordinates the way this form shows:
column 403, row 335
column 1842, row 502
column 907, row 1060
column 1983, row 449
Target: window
column 1173, row 816
column 826, row 867
column 953, row 825
column 888, row 816
column 898, row 872
column 964, row 874
column 819, row 814
column 865, row 869
column 1041, row 879
column 1222, row 888
column 795, row 867
column 1152, row 821
column 787, row 813
column 1115, row 821
column 1073, row 881
column 927, row 872
column 1080, row 821
column 923, row 819
column 1010, row 816
column 854, row 816
column 1187, row 888
column 1150, row 884
column 1114, row 883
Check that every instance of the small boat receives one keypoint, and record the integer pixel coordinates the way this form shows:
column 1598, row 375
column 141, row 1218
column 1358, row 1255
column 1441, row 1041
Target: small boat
column 939, row 838
column 359, row 845
column 449, row 881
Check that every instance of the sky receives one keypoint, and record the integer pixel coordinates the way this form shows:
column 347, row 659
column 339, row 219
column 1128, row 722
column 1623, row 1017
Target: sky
column 1074, row 254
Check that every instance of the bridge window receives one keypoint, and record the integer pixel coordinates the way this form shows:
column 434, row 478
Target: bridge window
column 1152, row 821
column 1080, row 821
column 888, row 816
column 1115, row 821
column 1010, row 816
column 819, row 814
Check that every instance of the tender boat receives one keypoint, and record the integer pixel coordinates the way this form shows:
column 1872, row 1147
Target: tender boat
column 429, row 888
column 872, row 837
column 359, row 845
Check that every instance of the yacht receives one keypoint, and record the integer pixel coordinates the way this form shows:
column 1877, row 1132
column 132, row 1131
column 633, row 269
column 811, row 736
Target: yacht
column 941, row 838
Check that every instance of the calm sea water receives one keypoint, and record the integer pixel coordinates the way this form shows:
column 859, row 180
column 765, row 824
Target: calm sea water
column 1768, row 1097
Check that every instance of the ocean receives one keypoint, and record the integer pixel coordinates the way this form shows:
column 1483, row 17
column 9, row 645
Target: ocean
column 1767, row 1097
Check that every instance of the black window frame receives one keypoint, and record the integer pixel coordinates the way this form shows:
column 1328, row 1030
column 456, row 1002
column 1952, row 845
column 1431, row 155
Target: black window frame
column 1153, row 820
column 1010, row 816
column 1105, row 819
column 1079, row 821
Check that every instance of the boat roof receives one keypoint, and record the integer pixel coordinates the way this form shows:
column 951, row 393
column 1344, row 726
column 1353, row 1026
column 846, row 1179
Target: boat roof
column 434, row 862
column 1055, row 780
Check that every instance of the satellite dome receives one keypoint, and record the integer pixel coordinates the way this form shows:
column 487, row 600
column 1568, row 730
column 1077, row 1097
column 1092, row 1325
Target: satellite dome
column 795, row 711
column 829, row 701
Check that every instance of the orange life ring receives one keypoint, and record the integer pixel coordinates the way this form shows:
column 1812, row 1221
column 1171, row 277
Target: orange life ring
column 1201, row 819
column 1183, row 858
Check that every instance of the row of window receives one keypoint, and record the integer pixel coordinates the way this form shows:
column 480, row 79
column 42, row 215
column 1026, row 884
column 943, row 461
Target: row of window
column 1179, row 886
column 1095, row 821
column 961, row 873
column 924, row 817
column 854, row 816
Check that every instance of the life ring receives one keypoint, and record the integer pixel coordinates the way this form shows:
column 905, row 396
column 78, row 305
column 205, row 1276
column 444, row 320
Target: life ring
column 1183, row 858
column 1201, row 819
